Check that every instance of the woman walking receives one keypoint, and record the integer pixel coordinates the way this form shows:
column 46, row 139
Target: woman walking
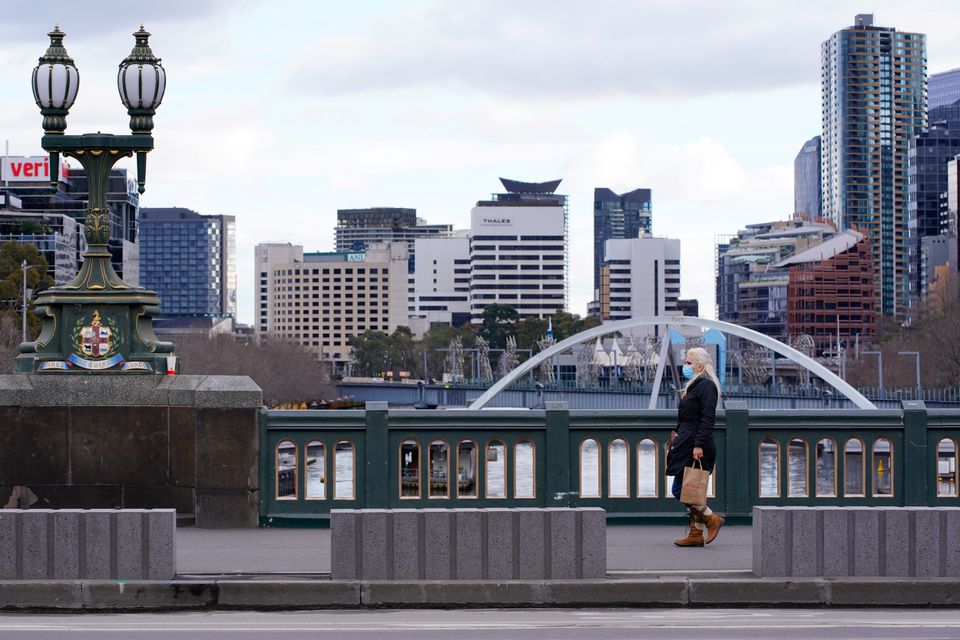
column 694, row 441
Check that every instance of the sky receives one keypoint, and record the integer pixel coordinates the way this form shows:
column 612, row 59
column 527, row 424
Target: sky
column 282, row 112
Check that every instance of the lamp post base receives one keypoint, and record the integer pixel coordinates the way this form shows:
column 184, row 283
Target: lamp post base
column 97, row 324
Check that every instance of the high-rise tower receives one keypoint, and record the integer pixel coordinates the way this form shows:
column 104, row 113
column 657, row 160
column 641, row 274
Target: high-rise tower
column 874, row 101
column 618, row 217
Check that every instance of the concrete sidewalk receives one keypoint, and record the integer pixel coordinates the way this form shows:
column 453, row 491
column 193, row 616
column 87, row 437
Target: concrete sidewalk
column 630, row 549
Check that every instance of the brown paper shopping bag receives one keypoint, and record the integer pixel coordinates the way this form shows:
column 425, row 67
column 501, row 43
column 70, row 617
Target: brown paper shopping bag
column 694, row 488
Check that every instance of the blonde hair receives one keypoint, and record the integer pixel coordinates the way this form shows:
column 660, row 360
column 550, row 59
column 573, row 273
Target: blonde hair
column 699, row 355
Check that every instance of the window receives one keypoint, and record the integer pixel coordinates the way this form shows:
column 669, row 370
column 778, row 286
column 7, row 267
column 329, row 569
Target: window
column 316, row 466
column 344, row 474
column 439, row 470
column 286, row 480
column 409, row 470
column 882, row 468
column 496, row 468
column 769, row 468
column 524, row 470
column 826, row 468
column 467, row 469
column 589, row 469
column 797, row 468
column 647, row 469
column 947, row 468
column 853, row 480
column 618, row 466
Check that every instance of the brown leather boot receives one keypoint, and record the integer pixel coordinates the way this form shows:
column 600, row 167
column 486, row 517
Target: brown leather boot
column 713, row 522
column 692, row 539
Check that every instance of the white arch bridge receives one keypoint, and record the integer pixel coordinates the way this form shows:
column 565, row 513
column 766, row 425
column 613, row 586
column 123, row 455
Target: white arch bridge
column 666, row 322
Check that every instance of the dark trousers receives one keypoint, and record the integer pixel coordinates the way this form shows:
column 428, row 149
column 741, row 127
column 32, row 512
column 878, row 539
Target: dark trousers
column 677, row 485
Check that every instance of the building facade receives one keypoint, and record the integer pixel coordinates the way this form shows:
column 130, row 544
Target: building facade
column 874, row 101
column 831, row 295
column 929, row 154
column 618, row 216
column 640, row 277
column 751, row 291
column 944, row 88
column 518, row 250
column 321, row 300
column 441, row 282
column 359, row 228
column 42, row 215
column 806, row 179
column 190, row 260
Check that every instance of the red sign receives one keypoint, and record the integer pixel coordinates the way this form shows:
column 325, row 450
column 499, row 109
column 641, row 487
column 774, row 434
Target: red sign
column 29, row 169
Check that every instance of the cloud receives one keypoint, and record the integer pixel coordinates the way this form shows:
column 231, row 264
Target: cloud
column 26, row 21
column 700, row 191
column 566, row 49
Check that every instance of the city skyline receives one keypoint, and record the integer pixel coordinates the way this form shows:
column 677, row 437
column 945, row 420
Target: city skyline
column 426, row 105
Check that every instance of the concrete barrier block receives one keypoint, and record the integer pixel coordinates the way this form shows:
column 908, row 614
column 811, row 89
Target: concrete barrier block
column 34, row 525
column 866, row 542
column 8, row 544
column 532, row 544
column 632, row 593
column 47, row 595
column 343, row 544
column 453, row 594
column 374, row 562
column 805, row 544
column 893, row 592
column 66, row 545
column 895, row 524
column 593, row 542
column 407, row 547
column 180, row 594
column 98, row 544
column 438, row 558
column 951, row 560
column 564, row 544
column 287, row 594
column 161, row 541
column 128, row 545
column 470, row 544
column 837, row 538
column 769, row 541
column 927, row 535
column 745, row 591
column 501, row 536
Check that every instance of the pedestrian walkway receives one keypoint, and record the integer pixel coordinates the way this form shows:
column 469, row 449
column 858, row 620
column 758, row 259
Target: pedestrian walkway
column 630, row 549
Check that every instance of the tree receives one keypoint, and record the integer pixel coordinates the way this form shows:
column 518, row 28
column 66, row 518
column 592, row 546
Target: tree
column 9, row 340
column 286, row 371
column 370, row 353
column 12, row 255
column 498, row 323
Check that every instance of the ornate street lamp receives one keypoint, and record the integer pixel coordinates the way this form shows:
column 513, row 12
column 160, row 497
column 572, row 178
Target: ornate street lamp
column 97, row 322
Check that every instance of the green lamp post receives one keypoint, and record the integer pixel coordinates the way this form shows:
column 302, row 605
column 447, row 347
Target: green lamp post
column 97, row 323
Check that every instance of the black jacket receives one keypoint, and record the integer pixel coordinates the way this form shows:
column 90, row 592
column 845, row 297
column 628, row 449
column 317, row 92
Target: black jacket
column 695, row 418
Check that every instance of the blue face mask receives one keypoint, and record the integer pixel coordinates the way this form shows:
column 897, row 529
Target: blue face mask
column 688, row 371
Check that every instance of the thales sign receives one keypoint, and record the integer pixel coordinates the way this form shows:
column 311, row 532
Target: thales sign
column 29, row 169
column 497, row 221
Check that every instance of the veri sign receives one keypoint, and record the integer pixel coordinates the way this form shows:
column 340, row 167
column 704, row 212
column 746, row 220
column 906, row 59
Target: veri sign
column 28, row 169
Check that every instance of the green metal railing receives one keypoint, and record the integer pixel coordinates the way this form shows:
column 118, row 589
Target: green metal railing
column 315, row 461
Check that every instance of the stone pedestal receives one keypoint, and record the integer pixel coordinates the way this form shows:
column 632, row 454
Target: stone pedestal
column 185, row 442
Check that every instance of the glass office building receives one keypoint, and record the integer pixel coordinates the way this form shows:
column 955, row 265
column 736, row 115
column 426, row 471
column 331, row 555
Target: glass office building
column 944, row 88
column 806, row 179
column 874, row 101
column 189, row 259
column 618, row 217
column 927, row 181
